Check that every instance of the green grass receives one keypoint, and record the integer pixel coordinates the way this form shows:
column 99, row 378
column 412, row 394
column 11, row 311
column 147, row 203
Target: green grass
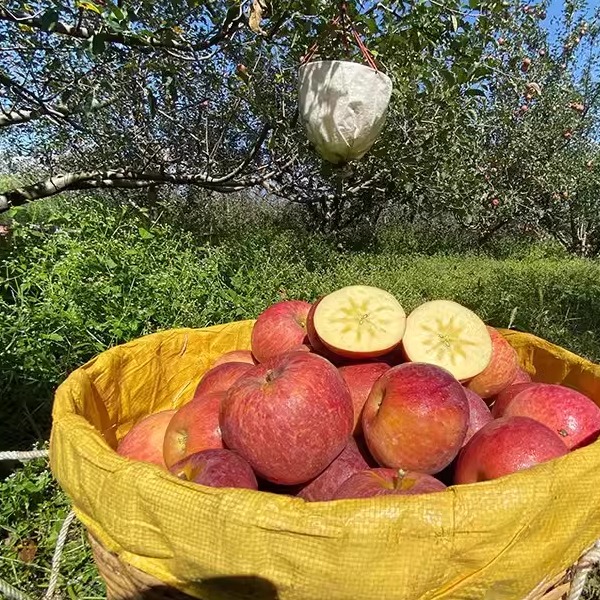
column 81, row 276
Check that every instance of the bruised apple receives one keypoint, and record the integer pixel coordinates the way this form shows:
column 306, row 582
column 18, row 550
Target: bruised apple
column 194, row 427
column 504, row 446
column 289, row 417
column 280, row 328
column 360, row 378
column 323, row 487
column 386, row 482
column 359, row 322
column 500, row 372
column 569, row 413
column 145, row 439
column 243, row 356
column 449, row 335
column 479, row 414
column 216, row 468
column 221, row 377
column 416, row 418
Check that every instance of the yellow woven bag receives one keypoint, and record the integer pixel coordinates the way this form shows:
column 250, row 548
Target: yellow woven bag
column 499, row 539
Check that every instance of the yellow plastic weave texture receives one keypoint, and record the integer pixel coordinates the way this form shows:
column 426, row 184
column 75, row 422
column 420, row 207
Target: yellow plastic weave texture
column 497, row 539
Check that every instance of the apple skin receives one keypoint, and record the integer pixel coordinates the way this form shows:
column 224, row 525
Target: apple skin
column 506, row 445
column 323, row 487
column 521, row 377
column 416, row 418
column 501, row 370
column 360, row 378
column 504, row 398
column 479, row 414
column 216, row 468
column 567, row 412
column 387, row 482
column 289, row 417
column 243, row 356
column 221, row 377
column 194, row 427
column 280, row 328
column 144, row 441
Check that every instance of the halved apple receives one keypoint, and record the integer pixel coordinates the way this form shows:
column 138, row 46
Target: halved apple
column 359, row 321
column 449, row 335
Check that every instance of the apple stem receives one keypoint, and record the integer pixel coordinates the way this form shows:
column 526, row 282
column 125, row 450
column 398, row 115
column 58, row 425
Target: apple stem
column 399, row 478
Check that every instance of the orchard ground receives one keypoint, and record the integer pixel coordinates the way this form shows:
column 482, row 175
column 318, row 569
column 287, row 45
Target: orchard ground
column 81, row 275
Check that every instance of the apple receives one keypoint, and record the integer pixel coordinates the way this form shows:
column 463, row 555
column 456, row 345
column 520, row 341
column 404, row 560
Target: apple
column 501, row 370
column 479, row 414
column 521, row 377
column 243, row 356
column 323, row 487
column 144, row 441
column 416, row 418
column 221, row 377
column 280, row 328
column 449, row 335
column 506, row 445
column 569, row 413
column 504, row 398
column 386, row 482
column 194, row 427
column 216, row 468
column 359, row 322
column 360, row 378
column 315, row 343
column 289, row 417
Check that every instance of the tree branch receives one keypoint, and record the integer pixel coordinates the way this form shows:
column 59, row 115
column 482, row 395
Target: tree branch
column 125, row 39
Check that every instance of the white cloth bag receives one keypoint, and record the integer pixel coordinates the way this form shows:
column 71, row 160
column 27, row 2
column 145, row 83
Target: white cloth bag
column 343, row 106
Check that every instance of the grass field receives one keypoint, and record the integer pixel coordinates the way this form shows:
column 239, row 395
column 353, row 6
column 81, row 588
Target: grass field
column 78, row 277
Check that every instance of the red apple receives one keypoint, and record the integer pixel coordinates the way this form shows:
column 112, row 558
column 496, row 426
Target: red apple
column 416, row 418
column 521, row 377
column 504, row 446
column 289, row 417
column 194, row 427
column 280, row 328
column 360, row 378
column 216, row 468
column 243, row 356
column 479, row 414
column 322, row 488
column 144, row 441
column 386, row 482
column 221, row 377
column 504, row 398
column 501, row 370
column 569, row 413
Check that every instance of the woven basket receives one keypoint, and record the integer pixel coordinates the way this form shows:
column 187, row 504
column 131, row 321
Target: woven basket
column 124, row 582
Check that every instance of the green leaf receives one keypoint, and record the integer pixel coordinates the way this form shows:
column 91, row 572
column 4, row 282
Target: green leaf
column 475, row 92
column 145, row 234
column 454, row 23
column 99, row 43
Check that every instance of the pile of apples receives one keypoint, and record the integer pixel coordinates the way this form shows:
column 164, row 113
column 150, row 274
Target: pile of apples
column 350, row 397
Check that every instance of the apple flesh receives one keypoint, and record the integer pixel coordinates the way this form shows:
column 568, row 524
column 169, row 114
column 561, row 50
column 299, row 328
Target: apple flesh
column 216, row 468
column 194, row 427
column 506, row 445
column 416, row 418
column 360, row 378
column 324, row 486
column 500, row 372
column 387, row 482
column 315, row 343
column 289, row 417
column 243, row 356
column 449, row 335
column 567, row 412
column 479, row 414
column 144, row 441
column 221, row 377
column 359, row 322
column 280, row 328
